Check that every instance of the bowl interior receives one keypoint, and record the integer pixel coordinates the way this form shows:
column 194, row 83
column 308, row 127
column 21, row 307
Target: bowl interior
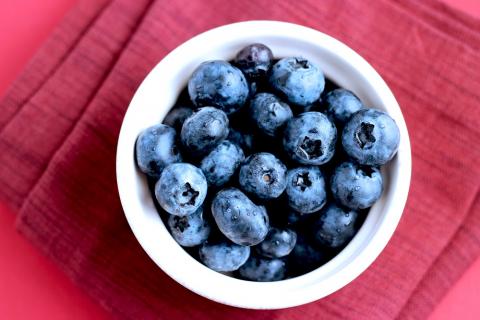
column 156, row 96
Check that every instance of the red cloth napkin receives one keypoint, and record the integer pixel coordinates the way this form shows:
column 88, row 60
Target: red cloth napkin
column 60, row 121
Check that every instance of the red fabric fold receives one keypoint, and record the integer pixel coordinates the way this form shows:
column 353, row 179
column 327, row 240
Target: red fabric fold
column 65, row 182
column 53, row 52
column 52, row 109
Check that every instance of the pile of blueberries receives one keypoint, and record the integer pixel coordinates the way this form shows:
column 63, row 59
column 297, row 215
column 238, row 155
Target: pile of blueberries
column 263, row 169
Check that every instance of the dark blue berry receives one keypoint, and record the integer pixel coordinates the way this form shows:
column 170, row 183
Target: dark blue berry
column 371, row 137
column 306, row 189
column 177, row 116
column 156, row 148
column 253, row 88
column 298, row 80
column 219, row 84
column 293, row 217
column 220, row 164
column 310, row 138
column 356, row 187
column 278, row 243
column 260, row 269
column 181, row 189
column 305, row 256
column 340, row 104
column 223, row 256
column 238, row 218
column 254, row 60
column 335, row 226
column 204, row 130
column 263, row 176
column 189, row 230
column 243, row 139
column 269, row 113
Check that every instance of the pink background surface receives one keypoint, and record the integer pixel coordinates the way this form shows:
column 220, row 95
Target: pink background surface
column 31, row 286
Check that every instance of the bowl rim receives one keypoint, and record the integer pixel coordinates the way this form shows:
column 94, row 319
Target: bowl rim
column 309, row 289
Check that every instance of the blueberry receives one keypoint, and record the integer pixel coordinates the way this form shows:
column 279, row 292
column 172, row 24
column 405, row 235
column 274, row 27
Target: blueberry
column 252, row 89
column 269, row 113
column 219, row 84
column 306, row 189
column 263, row 175
column 223, row 256
column 340, row 104
column 177, row 116
column 371, row 137
column 294, row 217
column 243, row 139
column 356, row 187
column 310, row 138
column 335, row 226
column 204, row 130
column 254, row 60
column 156, row 148
column 189, row 230
column 181, row 189
column 299, row 80
column 305, row 256
column 278, row 243
column 220, row 164
column 238, row 218
column 260, row 269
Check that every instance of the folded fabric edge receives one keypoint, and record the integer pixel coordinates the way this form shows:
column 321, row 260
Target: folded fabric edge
column 16, row 197
column 71, row 29
column 440, row 275
column 457, row 15
column 457, row 25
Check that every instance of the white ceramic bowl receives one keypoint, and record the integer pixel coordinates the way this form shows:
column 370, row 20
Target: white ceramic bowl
column 156, row 96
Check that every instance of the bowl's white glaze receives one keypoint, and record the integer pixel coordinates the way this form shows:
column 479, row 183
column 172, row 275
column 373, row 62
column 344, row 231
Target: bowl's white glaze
column 156, row 96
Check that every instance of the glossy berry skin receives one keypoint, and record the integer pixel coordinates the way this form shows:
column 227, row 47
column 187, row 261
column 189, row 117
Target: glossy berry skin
column 310, row 138
column 278, row 243
column 181, row 189
column 191, row 230
column 220, row 164
column 254, row 60
column 204, row 130
column 298, row 80
column 263, row 176
column 269, row 113
column 223, row 256
column 356, row 187
column 156, row 148
column 219, row 84
column 306, row 189
column 238, row 218
column 341, row 104
column 371, row 137
column 262, row 270
column 335, row 227
column 177, row 116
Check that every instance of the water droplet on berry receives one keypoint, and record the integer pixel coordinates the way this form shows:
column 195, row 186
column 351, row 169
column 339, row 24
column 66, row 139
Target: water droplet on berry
column 357, row 188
